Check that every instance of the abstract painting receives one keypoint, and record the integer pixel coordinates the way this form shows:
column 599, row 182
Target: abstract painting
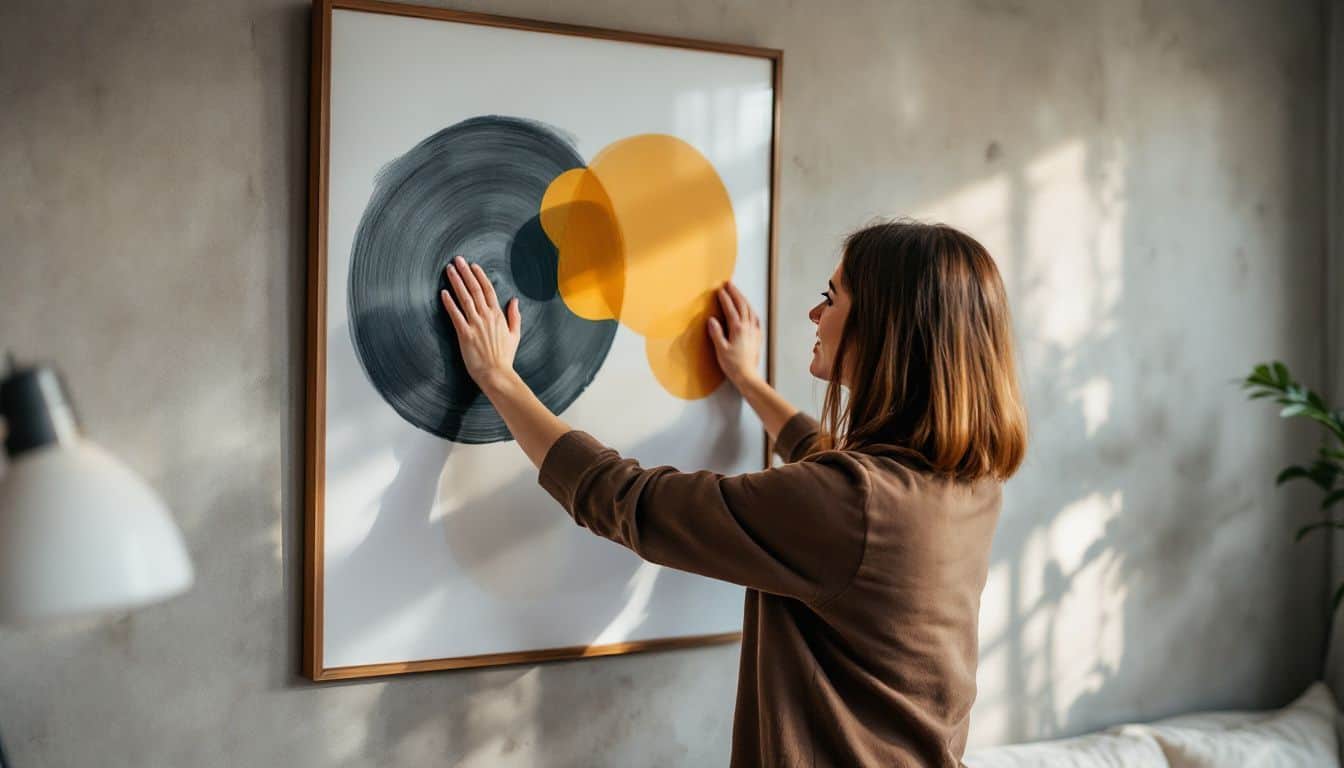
column 611, row 182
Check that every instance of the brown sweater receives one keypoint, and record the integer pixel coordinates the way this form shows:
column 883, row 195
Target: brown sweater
column 863, row 579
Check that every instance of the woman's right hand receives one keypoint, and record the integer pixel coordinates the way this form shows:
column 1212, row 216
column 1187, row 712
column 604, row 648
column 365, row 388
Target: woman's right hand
column 738, row 346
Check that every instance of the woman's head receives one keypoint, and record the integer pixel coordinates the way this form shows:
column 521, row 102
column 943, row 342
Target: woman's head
column 915, row 323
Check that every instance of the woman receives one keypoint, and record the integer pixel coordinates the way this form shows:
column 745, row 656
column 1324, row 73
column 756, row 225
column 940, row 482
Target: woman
column 865, row 555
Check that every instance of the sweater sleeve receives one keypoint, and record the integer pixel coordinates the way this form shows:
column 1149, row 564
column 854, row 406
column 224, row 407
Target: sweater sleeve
column 796, row 530
column 797, row 437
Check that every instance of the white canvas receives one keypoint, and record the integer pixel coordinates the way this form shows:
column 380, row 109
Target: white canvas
column 434, row 549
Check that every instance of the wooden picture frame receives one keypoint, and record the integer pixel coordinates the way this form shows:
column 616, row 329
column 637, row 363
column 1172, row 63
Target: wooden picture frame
column 314, row 665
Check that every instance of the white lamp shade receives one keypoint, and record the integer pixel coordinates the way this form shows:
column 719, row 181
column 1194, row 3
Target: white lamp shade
column 82, row 534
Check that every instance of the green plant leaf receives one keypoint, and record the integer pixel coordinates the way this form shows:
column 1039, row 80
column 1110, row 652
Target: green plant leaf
column 1332, row 498
column 1290, row 473
column 1324, row 473
column 1321, row 418
column 1304, row 530
column 1295, row 409
column 1281, row 375
column 1336, row 425
column 1261, row 376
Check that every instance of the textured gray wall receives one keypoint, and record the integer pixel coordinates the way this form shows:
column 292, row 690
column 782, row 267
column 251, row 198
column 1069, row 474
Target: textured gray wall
column 1148, row 173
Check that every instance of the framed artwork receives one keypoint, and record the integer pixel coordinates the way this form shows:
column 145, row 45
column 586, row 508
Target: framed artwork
column 609, row 180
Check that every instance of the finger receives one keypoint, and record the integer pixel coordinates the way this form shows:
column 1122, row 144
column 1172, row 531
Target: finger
column 488, row 288
column 740, row 302
column 740, row 299
column 729, row 308
column 473, row 285
column 716, row 333
column 454, row 314
column 515, row 317
column 466, row 303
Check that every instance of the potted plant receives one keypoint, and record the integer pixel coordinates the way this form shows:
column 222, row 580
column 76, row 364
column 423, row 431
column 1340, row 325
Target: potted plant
column 1272, row 380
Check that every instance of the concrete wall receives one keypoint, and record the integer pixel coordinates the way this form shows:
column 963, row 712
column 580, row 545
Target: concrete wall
column 1148, row 174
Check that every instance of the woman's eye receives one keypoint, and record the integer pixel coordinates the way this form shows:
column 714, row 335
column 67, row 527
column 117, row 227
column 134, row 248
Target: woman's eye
column 827, row 297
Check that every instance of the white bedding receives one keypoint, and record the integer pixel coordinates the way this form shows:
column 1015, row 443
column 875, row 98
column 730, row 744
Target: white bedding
column 1301, row 735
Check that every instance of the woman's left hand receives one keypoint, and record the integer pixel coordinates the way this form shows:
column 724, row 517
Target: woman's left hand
column 487, row 335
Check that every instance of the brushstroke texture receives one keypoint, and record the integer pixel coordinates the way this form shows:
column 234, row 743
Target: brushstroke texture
column 473, row 189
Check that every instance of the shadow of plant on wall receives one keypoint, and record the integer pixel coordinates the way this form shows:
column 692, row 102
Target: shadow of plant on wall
column 1117, row 565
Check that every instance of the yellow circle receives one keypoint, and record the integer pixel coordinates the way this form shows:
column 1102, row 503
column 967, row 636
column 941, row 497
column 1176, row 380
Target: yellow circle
column 645, row 235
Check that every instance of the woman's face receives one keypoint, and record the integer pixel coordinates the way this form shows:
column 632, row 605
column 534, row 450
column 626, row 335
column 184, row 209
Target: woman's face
column 829, row 315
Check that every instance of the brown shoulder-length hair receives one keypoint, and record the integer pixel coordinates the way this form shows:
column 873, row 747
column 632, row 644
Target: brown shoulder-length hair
column 928, row 341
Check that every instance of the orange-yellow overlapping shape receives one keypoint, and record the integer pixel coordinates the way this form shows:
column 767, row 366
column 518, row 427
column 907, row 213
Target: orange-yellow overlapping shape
column 645, row 235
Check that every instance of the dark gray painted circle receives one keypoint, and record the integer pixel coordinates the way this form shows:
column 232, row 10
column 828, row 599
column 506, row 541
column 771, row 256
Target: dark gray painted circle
column 473, row 189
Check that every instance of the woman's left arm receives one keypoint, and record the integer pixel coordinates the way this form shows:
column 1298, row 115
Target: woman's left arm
column 488, row 337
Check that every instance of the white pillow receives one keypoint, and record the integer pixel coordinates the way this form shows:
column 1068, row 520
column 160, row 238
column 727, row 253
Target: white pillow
column 1301, row 735
column 1095, row 750
column 1212, row 721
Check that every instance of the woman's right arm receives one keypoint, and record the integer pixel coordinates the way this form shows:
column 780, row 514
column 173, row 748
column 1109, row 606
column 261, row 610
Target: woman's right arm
column 798, row 530
column 768, row 404
column 738, row 349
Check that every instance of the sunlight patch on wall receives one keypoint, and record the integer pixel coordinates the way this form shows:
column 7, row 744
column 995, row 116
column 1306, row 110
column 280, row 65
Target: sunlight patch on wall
column 1094, row 400
column 994, row 679
column 503, row 723
column 1087, row 615
column 1051, row 622
column 982, row 209
column 1077, row 534
column 1073, row 244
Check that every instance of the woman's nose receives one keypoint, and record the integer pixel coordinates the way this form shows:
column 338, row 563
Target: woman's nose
column 815, row 314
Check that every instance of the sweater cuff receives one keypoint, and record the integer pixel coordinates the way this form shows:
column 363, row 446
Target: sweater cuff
column 798, row 428
column 565, row 462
